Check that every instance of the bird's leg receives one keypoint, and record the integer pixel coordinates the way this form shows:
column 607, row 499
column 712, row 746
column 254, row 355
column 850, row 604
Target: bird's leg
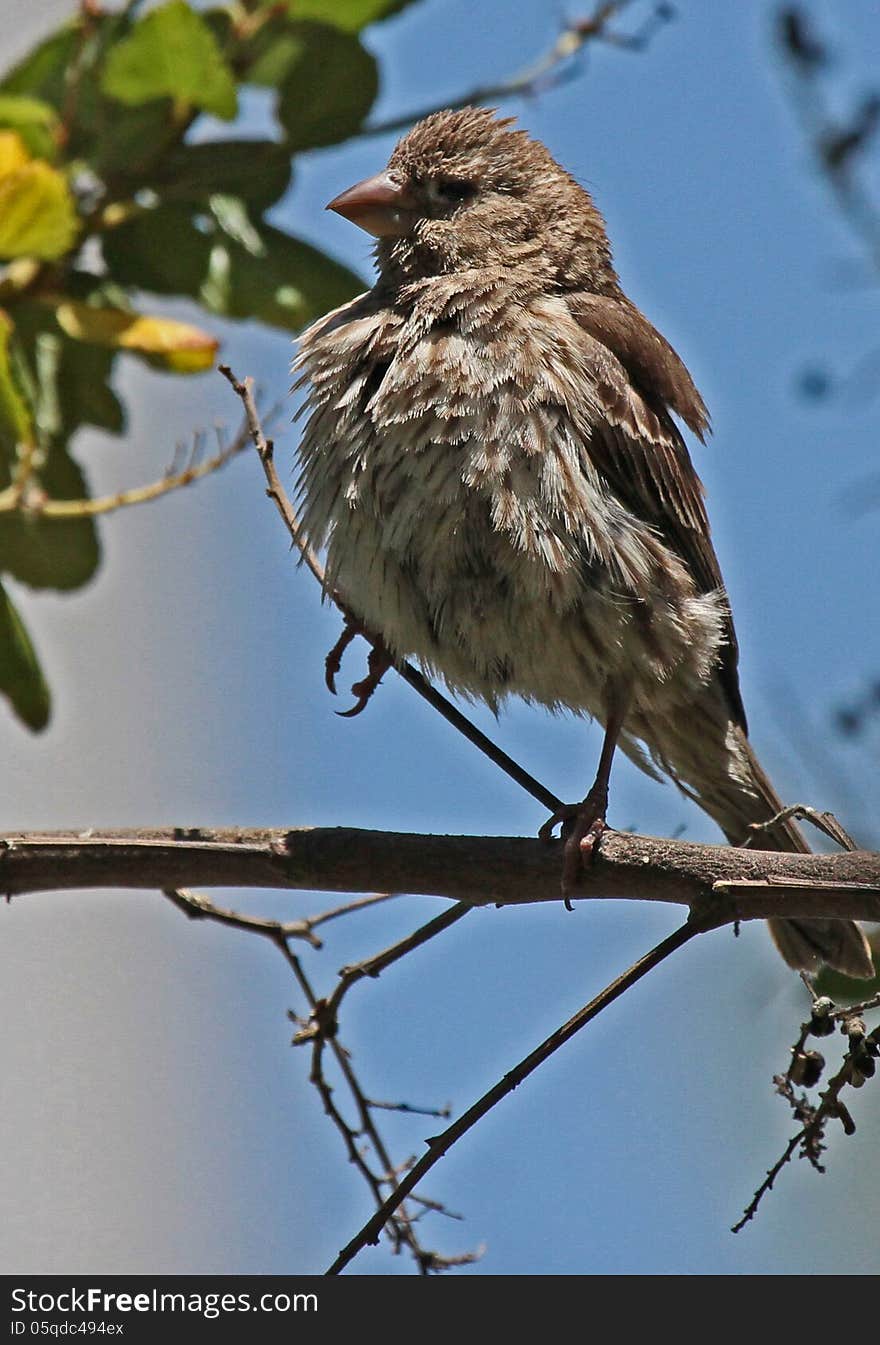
column 584, row 822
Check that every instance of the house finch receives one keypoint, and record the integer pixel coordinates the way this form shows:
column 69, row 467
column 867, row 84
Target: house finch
column 491, row 462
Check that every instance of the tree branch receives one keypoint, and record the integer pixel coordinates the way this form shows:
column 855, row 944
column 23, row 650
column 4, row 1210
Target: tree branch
column 548, row 70
column 243, row 389
column 439, row 1145
column 727, row 883
column 21, row 497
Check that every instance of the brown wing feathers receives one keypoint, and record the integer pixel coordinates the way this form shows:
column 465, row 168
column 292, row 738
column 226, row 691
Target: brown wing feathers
column 641, row 453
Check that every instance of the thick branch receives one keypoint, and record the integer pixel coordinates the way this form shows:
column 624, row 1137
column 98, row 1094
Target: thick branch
column 738, row 884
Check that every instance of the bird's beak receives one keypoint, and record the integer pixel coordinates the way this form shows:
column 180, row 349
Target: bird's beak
column 379, row 204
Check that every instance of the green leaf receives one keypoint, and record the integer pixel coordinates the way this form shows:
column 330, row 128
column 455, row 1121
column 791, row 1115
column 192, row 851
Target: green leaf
column 271, row 53
column 235, row 222
column 328, row 89
column 171, row 53
column 124, row 142
column 37, row 213
column 62, row 72
column 48, row 552
column 70, row 380
column 256, row 171
column 41, row 73
column 84, row 393
column 350, row 15
column 21, row 678
column 274, row 279
column 287, row 285
column 35, row 122
column 160, row 250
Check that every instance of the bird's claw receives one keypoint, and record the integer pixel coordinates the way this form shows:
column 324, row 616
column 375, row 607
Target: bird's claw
column 582, row 826
column 378, row 664
column 564, row 817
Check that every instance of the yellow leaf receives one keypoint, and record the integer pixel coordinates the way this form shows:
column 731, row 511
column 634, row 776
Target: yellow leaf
column 37, row 213
column 179, row 346
column 14, row 414
column 13, row 153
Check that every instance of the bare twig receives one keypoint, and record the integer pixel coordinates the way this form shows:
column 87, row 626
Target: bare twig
column 825, row 822
column 400, row 1225
column 243, row 389
column 348, row 907
column 858, row 1064
column 443, row 1113
column 374, row 966
column 839, row 150
column 556, row 65
column 21, row 495
column 194, row 905
column 856, row 1010
column 836, row 147
column 440, row 1145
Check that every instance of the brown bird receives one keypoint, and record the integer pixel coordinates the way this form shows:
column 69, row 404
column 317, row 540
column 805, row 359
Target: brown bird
column 491, row 462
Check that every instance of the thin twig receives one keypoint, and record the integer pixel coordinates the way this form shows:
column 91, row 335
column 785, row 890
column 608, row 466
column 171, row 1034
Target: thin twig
column 400, row 1227
column 243, row 389
column 34, row 502
column 854, row 1010
column 195, row 906
column 360, row 904
column 439, row 1145
column 836, row 148
column 442, row 1113
column 375, row 965
column 767, row 1184
column 556, row 65
column 823, row 821
column 810, row 1138
column 399, row 1223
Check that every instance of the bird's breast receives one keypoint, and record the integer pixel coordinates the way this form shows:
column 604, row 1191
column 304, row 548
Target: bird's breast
column 447, row 472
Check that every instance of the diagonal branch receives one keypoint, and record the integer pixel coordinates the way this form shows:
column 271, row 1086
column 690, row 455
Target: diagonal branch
column 556, row 65
column 439, row 1145
column 265, row 447
column 322, row 1033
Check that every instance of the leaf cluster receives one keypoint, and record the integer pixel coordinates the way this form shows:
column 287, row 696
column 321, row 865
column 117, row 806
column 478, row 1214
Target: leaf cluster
column 122, row 177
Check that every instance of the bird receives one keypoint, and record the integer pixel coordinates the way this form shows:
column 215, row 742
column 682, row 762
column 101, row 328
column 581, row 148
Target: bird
column 492, row 464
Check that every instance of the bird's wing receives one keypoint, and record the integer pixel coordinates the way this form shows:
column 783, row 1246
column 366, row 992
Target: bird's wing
column 638, row 449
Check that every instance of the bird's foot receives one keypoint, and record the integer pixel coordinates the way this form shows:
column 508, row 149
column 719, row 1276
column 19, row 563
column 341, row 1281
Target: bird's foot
column 378, row 663
column 582, row 825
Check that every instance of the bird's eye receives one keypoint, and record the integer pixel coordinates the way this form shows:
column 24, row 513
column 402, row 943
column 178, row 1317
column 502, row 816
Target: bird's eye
column 449, row 191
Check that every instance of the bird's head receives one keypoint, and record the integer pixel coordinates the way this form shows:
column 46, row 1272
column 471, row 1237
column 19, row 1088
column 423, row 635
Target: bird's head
column 463, row 190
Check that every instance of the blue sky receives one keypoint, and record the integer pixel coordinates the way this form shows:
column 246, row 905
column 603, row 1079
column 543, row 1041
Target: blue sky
column 161, row 1122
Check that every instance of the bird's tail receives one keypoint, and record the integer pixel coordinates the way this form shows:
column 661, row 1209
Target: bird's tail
column 715, row 765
